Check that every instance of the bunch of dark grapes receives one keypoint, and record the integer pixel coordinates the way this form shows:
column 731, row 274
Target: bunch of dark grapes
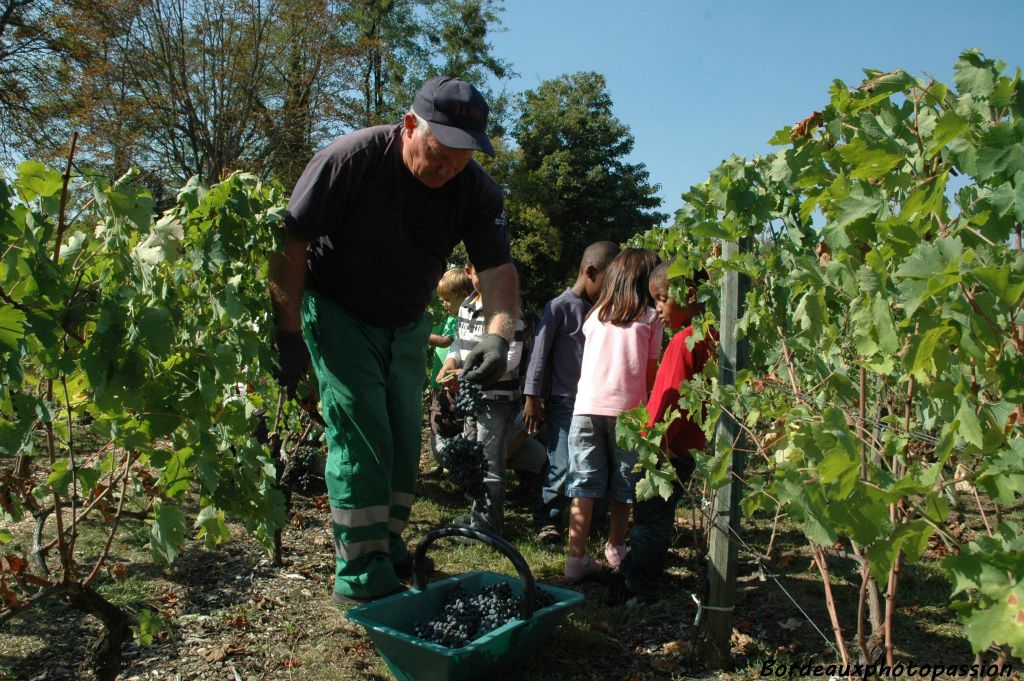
column 457, row 623
column 467, row 401
column 466, row 617
column 304, row 471
column 466, row 464
column 497, row 606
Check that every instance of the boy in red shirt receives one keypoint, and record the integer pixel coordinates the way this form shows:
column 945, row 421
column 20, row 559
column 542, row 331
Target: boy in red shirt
column 653, row 519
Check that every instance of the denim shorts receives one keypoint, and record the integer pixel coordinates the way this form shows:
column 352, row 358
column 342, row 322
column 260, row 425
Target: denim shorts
column 597, row 467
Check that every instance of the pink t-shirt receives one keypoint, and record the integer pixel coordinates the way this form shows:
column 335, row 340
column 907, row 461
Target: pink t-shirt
column 613, row 377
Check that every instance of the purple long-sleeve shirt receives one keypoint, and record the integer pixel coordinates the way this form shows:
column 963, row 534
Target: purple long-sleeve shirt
column 554, row 368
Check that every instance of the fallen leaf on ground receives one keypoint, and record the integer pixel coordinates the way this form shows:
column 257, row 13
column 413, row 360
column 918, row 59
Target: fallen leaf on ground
column 169, row 597
column 792, row 624
column 7, row 597
column 678, row 647
column 741, row 641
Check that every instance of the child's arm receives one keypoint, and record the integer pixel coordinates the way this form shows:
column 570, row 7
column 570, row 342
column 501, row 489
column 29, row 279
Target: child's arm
column 450, row 365
column 537, row 369
column 533, row 414
column 652, row 373
column 654, row 352
column 515, row 350
column 677, row 367
column 439, row 341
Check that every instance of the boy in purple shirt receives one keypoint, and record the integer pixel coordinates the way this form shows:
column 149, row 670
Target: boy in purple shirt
column 551, row 378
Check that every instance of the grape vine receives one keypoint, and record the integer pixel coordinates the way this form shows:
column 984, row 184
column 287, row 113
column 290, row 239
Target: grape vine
column 147, row 331
column 885, row 321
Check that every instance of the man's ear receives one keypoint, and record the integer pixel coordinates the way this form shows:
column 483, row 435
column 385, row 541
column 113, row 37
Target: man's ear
column 409, row 123
column 591, row 272
column 691, row 295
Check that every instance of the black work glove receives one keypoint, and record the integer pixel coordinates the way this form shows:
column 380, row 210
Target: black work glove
column 294, row 359
column 487, row 362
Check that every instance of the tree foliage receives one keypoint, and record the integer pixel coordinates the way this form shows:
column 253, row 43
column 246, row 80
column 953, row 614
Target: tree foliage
column 29, row 39
column 569, row 182
column 184, row 88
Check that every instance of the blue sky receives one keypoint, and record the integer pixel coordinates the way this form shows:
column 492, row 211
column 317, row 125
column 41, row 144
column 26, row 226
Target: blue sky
column 699, row 80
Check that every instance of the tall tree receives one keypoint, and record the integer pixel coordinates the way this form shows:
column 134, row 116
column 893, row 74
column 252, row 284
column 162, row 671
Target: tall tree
column 314, row 74
column 29, row 38
column 573, row 177
column 203, row 87
column 399, row 43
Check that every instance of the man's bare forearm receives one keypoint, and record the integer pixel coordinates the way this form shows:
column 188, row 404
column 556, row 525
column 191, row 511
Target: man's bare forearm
column 287, row 280
column 499, row 288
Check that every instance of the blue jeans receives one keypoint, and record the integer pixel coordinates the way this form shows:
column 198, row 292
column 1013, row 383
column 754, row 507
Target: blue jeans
column 558, row 417
column 651, row 536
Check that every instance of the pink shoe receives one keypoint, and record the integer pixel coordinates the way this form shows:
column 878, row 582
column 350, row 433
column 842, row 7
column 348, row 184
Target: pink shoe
column 578, row 569
column 615, row 554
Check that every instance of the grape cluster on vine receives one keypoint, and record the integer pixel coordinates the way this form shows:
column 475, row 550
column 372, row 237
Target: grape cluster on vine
column 304, row 471
column 466, row 617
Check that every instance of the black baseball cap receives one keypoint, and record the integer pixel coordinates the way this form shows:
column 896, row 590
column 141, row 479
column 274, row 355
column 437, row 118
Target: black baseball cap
column 456, row 111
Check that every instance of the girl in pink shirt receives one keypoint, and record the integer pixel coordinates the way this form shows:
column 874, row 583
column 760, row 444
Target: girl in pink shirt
column 620, row 360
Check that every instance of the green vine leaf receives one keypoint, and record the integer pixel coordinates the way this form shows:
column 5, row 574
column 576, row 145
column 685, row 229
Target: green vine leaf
column 1000, row 623
column 868, row 161
column 12, row 329
column 37, row 180
column 211, row 527
column 974, row 75
column 167, row 533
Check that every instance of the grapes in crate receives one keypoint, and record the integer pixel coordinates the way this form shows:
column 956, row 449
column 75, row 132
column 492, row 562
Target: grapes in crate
column 466, row 617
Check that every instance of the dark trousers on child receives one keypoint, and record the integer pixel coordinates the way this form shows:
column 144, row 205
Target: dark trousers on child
column 651, row 537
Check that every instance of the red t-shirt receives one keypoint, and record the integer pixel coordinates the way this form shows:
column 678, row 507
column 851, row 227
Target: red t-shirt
column 679, row 364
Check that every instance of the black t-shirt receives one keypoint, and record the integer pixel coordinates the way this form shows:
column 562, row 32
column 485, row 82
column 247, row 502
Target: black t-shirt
column 379, row 238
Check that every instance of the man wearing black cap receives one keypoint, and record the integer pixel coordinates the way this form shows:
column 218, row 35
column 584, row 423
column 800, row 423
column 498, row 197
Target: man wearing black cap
column 369, row 228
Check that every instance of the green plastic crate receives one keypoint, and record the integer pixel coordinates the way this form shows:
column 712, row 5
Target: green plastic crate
column 389, row 622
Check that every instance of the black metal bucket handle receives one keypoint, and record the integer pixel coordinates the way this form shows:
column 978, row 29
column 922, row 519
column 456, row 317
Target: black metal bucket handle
column 419, row 577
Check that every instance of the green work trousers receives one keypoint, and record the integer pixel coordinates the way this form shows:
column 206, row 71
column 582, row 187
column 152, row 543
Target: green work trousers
column 371, row 381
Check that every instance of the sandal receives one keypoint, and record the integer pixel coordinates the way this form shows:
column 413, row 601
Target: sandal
column 578, row 569
column 615, row 554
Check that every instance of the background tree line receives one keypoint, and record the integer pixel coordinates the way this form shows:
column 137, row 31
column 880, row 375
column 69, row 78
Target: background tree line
column 200, row 88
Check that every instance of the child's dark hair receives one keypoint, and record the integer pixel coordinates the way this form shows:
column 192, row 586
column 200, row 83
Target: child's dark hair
column 660, row 274
column 625, row 297
column 599, row 255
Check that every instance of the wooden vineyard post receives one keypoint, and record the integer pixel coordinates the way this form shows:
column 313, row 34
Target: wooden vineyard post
column 722, row 555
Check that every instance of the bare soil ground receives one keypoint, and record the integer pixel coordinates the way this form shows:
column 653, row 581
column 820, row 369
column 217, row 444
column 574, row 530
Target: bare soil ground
column 236, row 616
